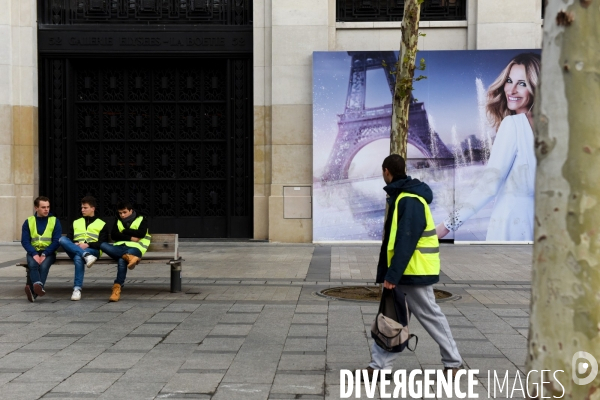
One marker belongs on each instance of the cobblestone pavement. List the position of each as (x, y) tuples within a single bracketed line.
[(248, 324)]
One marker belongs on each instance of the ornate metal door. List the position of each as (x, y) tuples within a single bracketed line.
[(171, 136)]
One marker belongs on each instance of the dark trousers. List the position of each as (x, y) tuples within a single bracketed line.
[(117, 253), (38, 273)]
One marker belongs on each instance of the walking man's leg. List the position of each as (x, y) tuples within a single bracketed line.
[(382, 359), (421, 303)]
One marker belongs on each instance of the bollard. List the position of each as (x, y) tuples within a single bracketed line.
[(176, 277)]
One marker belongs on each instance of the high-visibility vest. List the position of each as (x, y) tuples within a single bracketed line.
[(40, 242), (88, 234), (144, 242), (426, 258)]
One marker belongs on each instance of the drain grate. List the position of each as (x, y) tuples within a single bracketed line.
[(372, 293)]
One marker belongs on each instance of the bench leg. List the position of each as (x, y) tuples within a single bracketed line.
[(176, 277)]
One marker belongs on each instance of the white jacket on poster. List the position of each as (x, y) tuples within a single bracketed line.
[(510, 177)]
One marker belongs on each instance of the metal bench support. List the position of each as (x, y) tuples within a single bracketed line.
[(176, 275)]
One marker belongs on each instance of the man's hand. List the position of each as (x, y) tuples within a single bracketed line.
[(388, 285), (441, 230), (83, 245), (134, 239), (38, 259)]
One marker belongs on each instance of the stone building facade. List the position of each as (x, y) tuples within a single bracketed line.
[(285, 33)]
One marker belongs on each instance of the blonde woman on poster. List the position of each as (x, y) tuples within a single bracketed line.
[(509, 175)]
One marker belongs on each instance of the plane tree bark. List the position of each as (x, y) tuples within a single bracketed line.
[(405, 72), (565, 302)]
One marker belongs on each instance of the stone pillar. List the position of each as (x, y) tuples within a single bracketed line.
[(262, 116), (286, 34), (18, 115)]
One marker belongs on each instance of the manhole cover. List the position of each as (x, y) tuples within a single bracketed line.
[(371, 293)]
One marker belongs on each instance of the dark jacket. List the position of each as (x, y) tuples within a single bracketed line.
[(102, 237), (41, 224), (411, 224), (127, 233)]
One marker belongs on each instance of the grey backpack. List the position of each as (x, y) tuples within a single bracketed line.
[(390, 327)]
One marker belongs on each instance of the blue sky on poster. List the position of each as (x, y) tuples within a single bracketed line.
[(449, 92)]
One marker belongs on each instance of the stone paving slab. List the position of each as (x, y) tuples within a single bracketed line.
[(248, 324)]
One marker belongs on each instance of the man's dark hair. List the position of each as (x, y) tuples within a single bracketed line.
[(122, 205), (396, 165), (36, 202), (89, 200)]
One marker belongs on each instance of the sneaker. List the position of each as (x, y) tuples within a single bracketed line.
[(90, 260), (38, 289), (132, 260), (76, 296), (116, 293), (30, 294)]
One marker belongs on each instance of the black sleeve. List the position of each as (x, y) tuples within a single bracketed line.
[(102, 237), (140, 232), (69, 231), (382, 266), (118, 236), (411, 224)]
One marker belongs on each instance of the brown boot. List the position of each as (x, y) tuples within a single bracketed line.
[(116, 293), (370, 373), (132, 260), (454, 371)]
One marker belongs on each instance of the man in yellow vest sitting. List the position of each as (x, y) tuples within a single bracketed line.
[(83, 243), (130, 233), (39, 237), (409, 261)]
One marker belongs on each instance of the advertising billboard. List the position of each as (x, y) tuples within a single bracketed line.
[(470, 139)]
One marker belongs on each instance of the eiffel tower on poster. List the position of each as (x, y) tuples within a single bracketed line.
[(358, 126)]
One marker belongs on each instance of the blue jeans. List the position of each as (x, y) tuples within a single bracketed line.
[(76, 254), (38, 273), (116, 253)]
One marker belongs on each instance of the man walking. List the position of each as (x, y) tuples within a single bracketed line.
[(82, 245), (409, 261), (40, 238), (130, 232)]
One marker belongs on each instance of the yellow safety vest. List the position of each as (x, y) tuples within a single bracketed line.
[(426, 258), (89, 234), (40, 242), (144, 242)]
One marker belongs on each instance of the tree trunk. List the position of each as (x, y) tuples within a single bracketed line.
[(565, 303), (405, 71)]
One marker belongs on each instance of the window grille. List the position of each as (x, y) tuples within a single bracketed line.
[(211, 12), (393, 10)]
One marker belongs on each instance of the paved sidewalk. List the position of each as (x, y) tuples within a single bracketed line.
[(248, 324)]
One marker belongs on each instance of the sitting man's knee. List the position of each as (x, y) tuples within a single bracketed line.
[(62, 239)]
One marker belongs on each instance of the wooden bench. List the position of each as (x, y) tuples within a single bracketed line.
[(166, 243)]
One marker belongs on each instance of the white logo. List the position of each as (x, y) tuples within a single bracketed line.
[(580, 367)]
